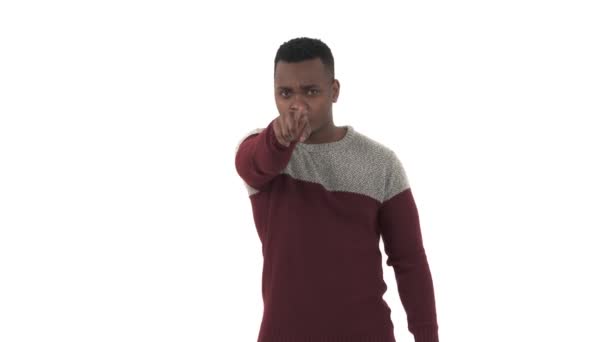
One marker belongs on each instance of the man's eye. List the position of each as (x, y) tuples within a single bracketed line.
[(283, 93), (313, 91)]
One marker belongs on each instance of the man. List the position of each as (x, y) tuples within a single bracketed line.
[(322, 196)]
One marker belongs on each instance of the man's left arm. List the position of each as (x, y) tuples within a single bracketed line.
[(401, 234)]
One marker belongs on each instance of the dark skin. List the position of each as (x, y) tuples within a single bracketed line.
[(304, 93)]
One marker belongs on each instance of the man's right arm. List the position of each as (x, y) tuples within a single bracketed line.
[(260, 157)]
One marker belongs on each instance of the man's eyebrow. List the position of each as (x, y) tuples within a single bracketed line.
[(304, 86)]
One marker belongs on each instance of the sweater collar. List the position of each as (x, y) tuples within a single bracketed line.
[(331, 146)]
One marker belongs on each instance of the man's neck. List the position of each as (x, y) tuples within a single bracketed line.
[(326, 134)]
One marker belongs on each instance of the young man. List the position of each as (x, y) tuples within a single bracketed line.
[(322, 196)]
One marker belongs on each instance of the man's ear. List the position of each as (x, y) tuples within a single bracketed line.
[(335, 90)]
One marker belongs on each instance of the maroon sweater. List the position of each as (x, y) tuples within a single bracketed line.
[(320, 210)]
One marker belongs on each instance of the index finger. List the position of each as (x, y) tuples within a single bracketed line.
[(302, 120)]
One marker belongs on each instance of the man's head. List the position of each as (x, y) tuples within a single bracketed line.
[(304, 79)]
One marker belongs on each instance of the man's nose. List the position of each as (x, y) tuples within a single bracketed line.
[(299, 105)]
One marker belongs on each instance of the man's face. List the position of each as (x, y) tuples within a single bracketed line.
[(305, 85)]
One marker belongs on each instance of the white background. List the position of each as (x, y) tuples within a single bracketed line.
[(122, 217)]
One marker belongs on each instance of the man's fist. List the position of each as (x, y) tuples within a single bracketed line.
[(291, 127)]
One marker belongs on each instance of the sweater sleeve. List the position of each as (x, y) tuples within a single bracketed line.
[(402, 238), (260, 157)]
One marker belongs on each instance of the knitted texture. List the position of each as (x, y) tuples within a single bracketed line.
[(320, 211)]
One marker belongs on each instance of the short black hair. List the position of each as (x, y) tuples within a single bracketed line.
[(304, 48)]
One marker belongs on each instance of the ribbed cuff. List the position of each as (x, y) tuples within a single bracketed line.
[(426, 334)]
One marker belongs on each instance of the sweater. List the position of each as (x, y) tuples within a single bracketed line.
[(320, 211)]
